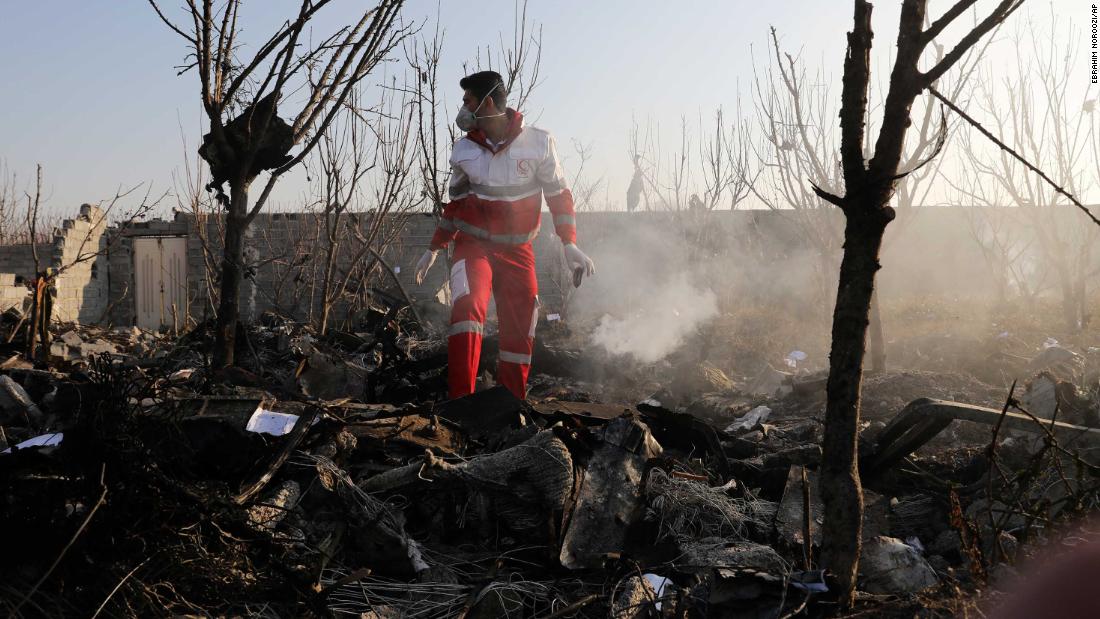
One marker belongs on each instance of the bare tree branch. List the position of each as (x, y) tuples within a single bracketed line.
[(994, 19)]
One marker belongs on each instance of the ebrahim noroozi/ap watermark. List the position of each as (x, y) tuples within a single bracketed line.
[(1092, 45)]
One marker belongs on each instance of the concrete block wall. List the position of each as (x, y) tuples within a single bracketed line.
[(746, 256), (17, 261), (79, 253), (289, 250), (82, 292), (12, 294)]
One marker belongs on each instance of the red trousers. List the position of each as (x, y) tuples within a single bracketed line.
[(508, 272)]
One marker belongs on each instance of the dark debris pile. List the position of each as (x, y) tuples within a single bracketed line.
[(324, 477)]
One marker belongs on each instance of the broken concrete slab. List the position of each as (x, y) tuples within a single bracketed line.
[(97, 347), (610, 497), (71, 338), (60, 351), (890, 566)]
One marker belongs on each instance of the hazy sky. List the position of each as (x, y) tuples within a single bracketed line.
[(90, 89)]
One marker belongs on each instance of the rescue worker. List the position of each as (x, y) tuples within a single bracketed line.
[(499, 173)]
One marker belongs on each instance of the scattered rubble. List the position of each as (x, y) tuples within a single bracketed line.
[(325, 476), (891, 566)]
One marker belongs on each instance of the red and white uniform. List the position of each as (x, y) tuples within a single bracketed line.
[(496, 193)]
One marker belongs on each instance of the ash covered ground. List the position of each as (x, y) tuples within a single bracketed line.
[(327, 476)]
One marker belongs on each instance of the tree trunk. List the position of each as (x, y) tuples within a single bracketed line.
[(1069, 300), (1086, 266), (326, 285), (1082, 300), (878, 343), (225, 338), (840, 486)]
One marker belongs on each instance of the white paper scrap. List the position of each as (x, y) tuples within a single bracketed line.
[(553, 317), (271, 422), (396, 269), (46, 440)]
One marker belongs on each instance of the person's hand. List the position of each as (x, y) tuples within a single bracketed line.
[(576, 259), (426, 261)]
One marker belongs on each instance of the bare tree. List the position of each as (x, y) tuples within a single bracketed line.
[(381, 177), (931, 133), (342, 149), (192, 199), (869, 186), (797, 145), (518, 62), (665, 175), (432, 125), (9, 205), (721, 158), (239, 149), (584, 189), (1051, 130)]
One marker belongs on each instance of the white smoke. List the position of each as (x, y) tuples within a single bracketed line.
[(673, 310)]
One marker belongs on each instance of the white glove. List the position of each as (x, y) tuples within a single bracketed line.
[(575, 258), (426, 261)]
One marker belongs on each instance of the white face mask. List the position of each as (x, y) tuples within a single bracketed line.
[(467, 120)]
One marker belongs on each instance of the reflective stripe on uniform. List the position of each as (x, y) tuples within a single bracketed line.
[(466, 326), (515, 357), (504, 191), (562, 220), (485, 235), (447, 224)]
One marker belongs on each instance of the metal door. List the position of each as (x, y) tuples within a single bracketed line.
[(160, 282)]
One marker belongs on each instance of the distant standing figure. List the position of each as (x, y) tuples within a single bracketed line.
[(634, 191)]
